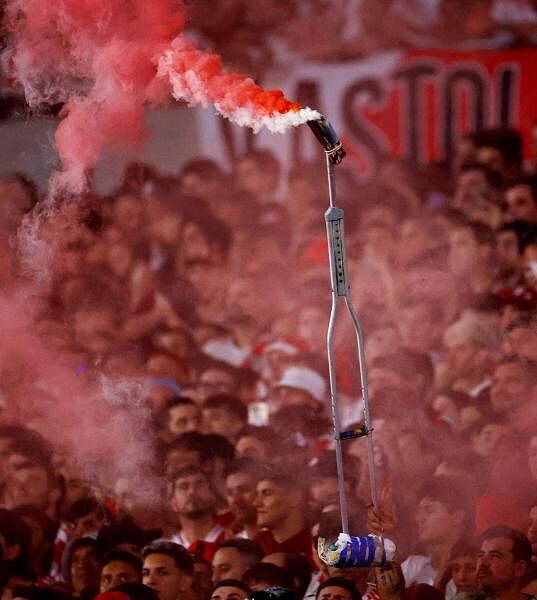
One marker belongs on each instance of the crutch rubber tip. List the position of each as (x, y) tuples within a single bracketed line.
[(351, 551)]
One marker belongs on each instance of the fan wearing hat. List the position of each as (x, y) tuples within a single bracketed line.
[(301, 386)]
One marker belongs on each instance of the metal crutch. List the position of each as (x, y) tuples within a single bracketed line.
[(334, 218)]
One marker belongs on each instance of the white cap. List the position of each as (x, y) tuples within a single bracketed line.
[(303, 378)]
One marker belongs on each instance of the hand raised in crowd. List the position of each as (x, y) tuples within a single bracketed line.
[(381, 520)]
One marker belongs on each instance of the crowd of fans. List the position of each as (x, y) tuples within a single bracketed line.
[(268, 33), (215, 290)]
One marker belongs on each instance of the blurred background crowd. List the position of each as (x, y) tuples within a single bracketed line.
[(212, 288)]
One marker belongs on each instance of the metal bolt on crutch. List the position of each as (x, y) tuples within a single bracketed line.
[(346, 550)]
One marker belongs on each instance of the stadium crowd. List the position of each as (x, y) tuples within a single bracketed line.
[(215, 291)]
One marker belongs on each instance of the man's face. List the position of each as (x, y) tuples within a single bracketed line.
[(195, 246), (463, 571), (520, 205), (334, 592), (463, 251), (192, 495), (183, 418), (26, 483), (489, 438), (87, 524), (222, 422), (272, 504), (510, 387), (215, 381), (117, 572), (229, 592), (532, 529), (241, 496), (248, 446), (85, 569), (507, 254), (229, 563), (161, 574), (434, 522), (496, 568)]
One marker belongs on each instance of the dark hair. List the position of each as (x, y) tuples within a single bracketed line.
[(124, 531), (275, 593), (84, 506), (464, 547), (191, 441), (270, 574), (521, 544), (299, 567), (339, 582), (180, 555), (234, 583), (242, 465), (123, 556), (448, 491), (249, 549), (230, 403), (217, 446), (136, 590)]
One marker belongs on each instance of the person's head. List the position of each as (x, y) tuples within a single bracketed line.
[(520, 201), (301, 386), (511, 387), (125, 534), (231, 589), (464, 339), (186, 450), (462, 563), (296, 564), (488, 438), (134, 590), (192, 495), (257, 173), (183, 415), (30, 478), (442, 510), (507, 249), (267, 575), (337, 588), (280, 498), (86, 516), (167, 569), (503, 559), (119, 566), (225, 415), (241, 481), (80, 565), (470, 248), (234, 557), (255, 443), (215, 380)]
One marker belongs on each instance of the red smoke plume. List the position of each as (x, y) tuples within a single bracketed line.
[(105, 59)]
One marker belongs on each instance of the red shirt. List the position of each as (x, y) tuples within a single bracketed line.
[(300, 543)]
